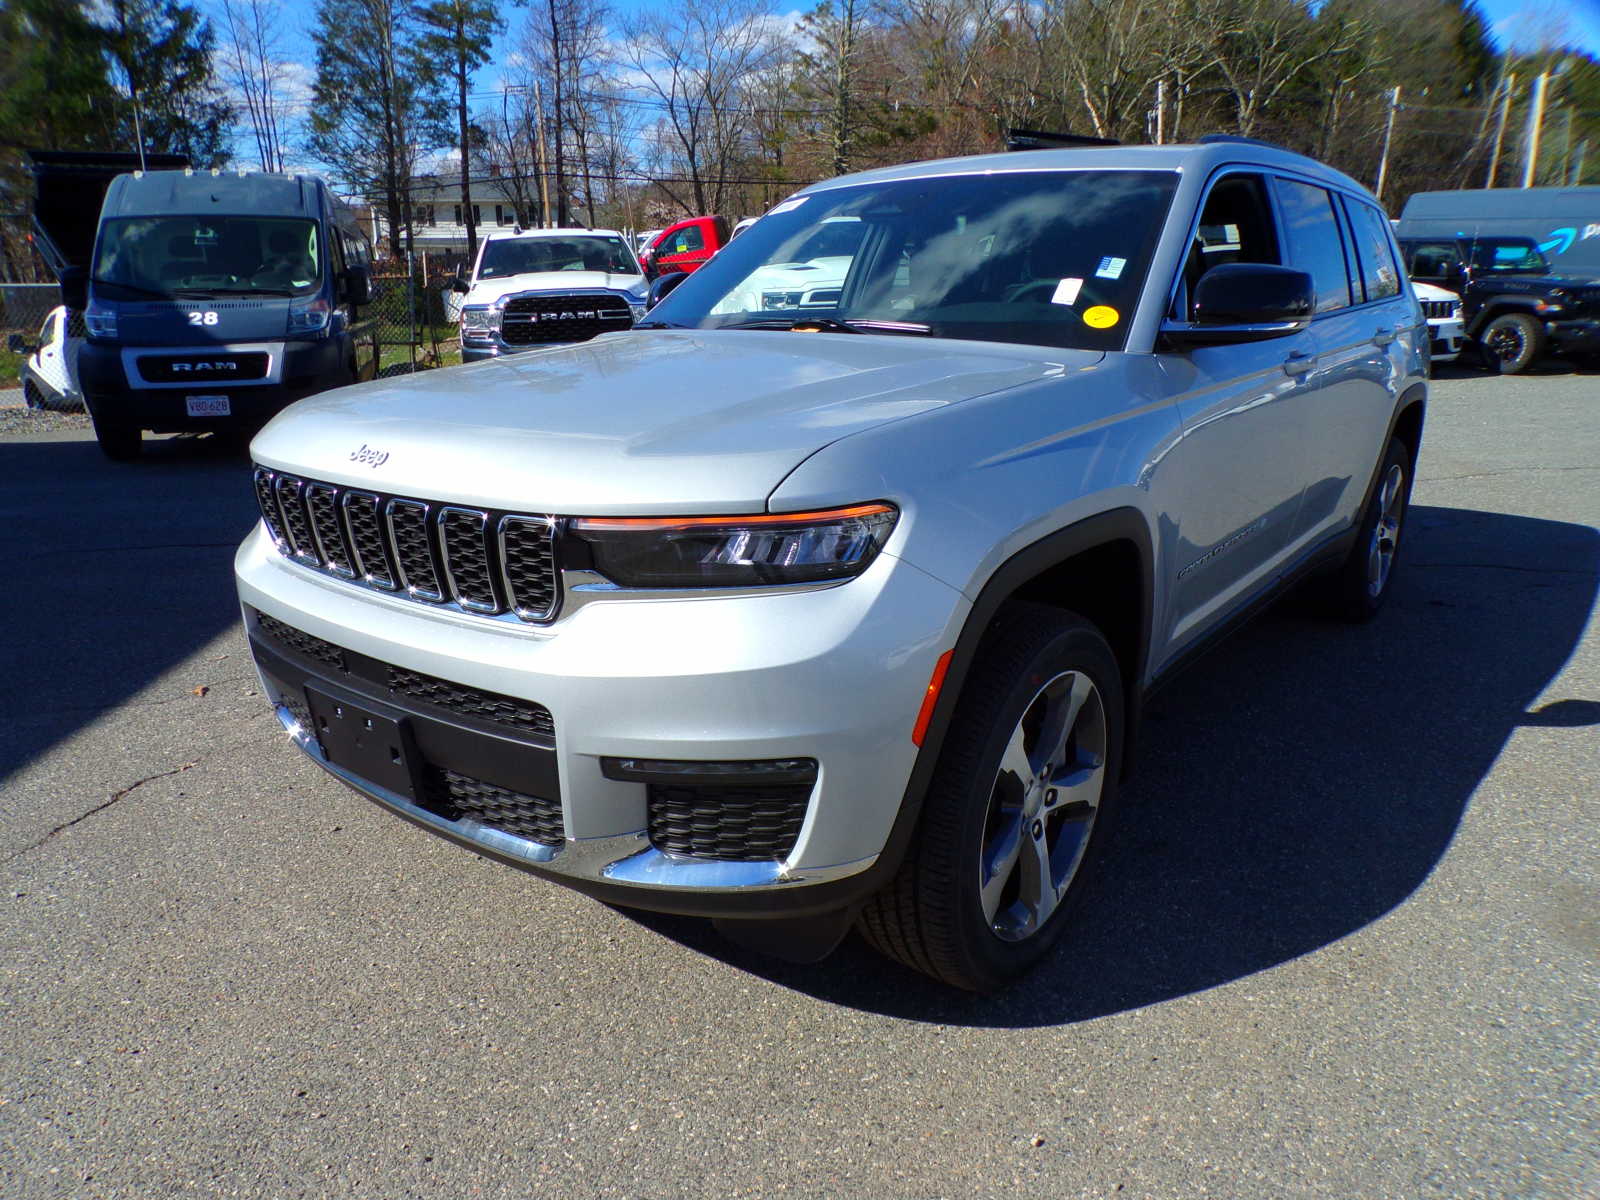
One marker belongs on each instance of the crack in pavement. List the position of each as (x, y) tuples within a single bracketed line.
[(98, 808), (1502, 471)]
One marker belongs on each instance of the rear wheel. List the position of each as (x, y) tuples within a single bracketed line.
[(31, 396), (1357, 590), (1019, 808), (1512, 342)]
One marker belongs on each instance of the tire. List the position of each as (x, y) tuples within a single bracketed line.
[(1357, 590), (119, 443), (959, 907), (31, 396), (1511, 343)]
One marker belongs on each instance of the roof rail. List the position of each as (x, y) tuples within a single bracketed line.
[(1211, 139), (1040, 139)]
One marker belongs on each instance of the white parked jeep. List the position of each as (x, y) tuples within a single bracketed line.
[(800, 616), (548, 287)]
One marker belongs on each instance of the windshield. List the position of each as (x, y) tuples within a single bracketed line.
[(1051, 258), (525, 256), (183, 255), (1508, 256)]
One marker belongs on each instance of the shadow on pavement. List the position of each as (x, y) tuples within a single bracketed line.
[(115, 573), (1295, 786)]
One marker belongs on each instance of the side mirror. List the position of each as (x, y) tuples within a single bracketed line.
[(358, 285), (1245, 302), (460, 283), (665, 286), (75, 288), (17, 344)]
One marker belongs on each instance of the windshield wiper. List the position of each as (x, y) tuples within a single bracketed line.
[(834, 325), (240, 291)]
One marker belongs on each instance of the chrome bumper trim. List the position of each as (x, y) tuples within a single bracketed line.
[(627, 859)]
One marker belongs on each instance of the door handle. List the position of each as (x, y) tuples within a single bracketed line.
[(1298, 363), (1382, 337)]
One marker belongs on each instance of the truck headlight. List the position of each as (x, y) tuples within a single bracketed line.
[(100, 322), (710, 552), (477, 319), (309, 318)]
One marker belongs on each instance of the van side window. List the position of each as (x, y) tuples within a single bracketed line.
[(1380, 274), (1235, 226), (1315, 242)]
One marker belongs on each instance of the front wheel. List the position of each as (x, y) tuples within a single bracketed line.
[(119, 443), (1512, 342), (31, 396), (1019, 808)]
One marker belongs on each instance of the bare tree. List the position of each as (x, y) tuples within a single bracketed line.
[(694, 61), (251, 54)]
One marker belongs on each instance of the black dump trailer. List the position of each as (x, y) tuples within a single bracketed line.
[(69, 186)]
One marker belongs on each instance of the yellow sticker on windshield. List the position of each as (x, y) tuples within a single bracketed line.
[(1101, 316)]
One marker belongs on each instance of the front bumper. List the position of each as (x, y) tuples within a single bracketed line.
[(834, 675), (1445, 338), (1581, 335), (304, 368)]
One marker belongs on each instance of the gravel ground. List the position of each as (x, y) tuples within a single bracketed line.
[(1346, 944)]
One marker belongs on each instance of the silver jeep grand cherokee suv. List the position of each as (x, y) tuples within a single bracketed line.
[(804, 612)]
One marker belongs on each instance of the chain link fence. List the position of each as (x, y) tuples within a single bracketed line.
[(417, 317)]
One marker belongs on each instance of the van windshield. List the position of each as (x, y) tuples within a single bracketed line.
[(182, 256), (504, 257), (1048, 258)]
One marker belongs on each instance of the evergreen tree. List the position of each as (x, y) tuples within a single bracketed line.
[(456, 39), (161, 51), (375, 112)]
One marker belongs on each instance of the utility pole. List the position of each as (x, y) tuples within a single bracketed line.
[(556, 73), (1388, 135), (1530, 151), (1161, 111), (1500, 127), (1575, 176), (542, 154)]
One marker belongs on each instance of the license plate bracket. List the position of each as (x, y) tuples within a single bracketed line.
[(369, 743)]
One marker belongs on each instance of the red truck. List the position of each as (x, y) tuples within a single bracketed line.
[(685, 246)]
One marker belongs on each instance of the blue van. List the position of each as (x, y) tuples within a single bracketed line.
[(212, 300)]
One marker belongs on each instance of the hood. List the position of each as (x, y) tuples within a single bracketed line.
[(1426, 291), (487, 291), (642, 423)]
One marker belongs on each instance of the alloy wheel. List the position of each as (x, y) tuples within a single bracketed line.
[(1386, 531), (1042, 809)]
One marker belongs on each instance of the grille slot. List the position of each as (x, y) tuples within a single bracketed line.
[(527, 548), (541, 320), (455, 796), (366, 539), (413, 549), (300, 641), (267, 500), (462, 533), (206, 368), (479, 562), (472, 702), (1437, 309), (727, 823), (322, 503), (295, 521)]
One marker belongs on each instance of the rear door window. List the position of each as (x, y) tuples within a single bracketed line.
[(1376, 266), (1433, 260), (1315, 245)]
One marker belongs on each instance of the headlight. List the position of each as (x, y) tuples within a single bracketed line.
[(100, 322), (309, 318), (477, 319), (709, 552), (637, 308)]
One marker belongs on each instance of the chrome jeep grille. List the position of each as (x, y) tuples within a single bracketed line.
[(1439, 309), (481, 562)]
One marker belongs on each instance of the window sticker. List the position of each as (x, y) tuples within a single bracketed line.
[(1067, 291), (788, 205), (1101, 316), (1110, 268)]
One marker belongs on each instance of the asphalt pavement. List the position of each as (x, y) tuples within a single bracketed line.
[(1347, 943)]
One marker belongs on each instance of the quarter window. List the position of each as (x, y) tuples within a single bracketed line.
[(1380, 274), (1315, 246)]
